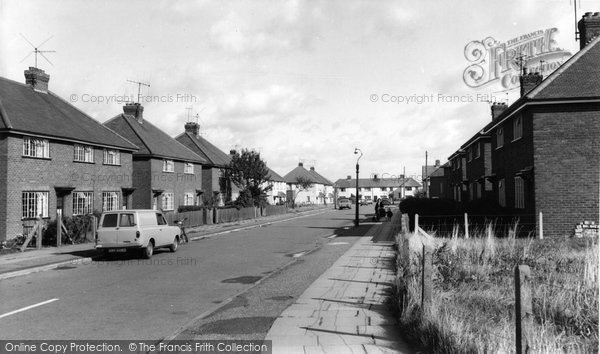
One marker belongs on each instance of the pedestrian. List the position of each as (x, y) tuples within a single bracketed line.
[(381, 212), (376, 209), (389, 214)]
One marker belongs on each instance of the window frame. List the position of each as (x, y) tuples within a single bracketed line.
[(185, 199), (499, 137), (87, 151), (77, 204), (519, 193), (114, 154), (31, 146), (166, 164), (517, 128), (165, 204), (108, 197), (26, 207), (188, 168)]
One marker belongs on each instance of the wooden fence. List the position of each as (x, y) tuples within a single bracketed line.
[(522, 284)]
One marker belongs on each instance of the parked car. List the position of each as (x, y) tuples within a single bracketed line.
[(142, 230), (344, 203), (364, 202), (384, 201)]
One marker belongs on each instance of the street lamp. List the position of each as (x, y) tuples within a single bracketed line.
[(356, 151)]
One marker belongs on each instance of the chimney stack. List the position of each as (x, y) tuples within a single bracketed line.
[(136, 110), (529, 81), (193, 128), (300, 164), (232, 152), (589, 28), (437, 163), (312, 168), (37, 79), (348, 177), (497, 109)]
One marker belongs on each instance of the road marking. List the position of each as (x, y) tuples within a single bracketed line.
[(28, 308), (300, 254), (337, 243), (332, 236)]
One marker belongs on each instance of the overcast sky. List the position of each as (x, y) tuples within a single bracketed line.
[(296, 80)]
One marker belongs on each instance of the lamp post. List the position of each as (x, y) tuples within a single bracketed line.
[(356, 151)]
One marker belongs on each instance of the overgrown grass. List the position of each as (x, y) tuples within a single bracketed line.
[(473, 293)]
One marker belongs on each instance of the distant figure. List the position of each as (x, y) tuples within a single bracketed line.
[(376, 210), (380, 212), (389, 214)]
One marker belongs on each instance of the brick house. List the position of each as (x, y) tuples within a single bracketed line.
[(53, 156), (166, 174), (437, 182), (316, 194), (213, 183), (375, 188), (540, 144), (549, 136)]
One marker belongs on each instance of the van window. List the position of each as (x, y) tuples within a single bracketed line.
[(160, 219), (146, 219), (127, 220), (110, 220)]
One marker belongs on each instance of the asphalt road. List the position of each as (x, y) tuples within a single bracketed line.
[(129, 298)]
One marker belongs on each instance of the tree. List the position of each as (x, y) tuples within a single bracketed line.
[(302, 184), (251, 175)]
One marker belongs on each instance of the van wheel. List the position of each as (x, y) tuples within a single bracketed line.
[(148, 251), (174, 245)]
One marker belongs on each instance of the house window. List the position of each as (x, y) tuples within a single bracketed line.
[(368, 189), (33, 147), (471, 191), (188, 199), (479, 193), (499, 138), (501, 193), (517, 128), (188, 168), (519, 193), (110, 201), (477, 151), (83, 153), (167, 201), (83, 203), (384, 189), (409, 188), (35, 204), (342, 189), (112, 157), (168, 166), (470, 153)]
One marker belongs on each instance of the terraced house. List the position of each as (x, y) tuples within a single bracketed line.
[(216, 189), (53, 156), (166, 174), (540, 144)]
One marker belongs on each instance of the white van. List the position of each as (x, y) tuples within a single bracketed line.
[(136, 229)]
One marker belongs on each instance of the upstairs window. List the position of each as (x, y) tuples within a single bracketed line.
[(517, 128), (188, 168), (83, 153), (112, 157), (499, 138), (168, 166), (34, 147), (477, 150)]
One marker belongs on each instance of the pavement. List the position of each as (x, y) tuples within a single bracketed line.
[(348, 308), (34, 260)]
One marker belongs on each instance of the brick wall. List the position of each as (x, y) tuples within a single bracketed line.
[(210, 179), (567, 168), (32, 174)]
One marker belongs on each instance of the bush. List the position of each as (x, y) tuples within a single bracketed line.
[(76, 226)]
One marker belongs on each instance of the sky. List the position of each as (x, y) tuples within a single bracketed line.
[(298, 81)]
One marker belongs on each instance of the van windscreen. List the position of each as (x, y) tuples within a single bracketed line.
[(110, 220)]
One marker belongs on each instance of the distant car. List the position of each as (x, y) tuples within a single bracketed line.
[(384, 202), (364, 202), (142, 230), (344, 203)]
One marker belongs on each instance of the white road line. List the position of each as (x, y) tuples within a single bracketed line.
[(28, 308)]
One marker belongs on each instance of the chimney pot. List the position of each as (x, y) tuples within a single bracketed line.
[(589, 28), (348, 177), (312, 168), (232, 152), (136, 110), (497, 109), (37, 79), (437, 163), (193, 128), (529, 82)]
